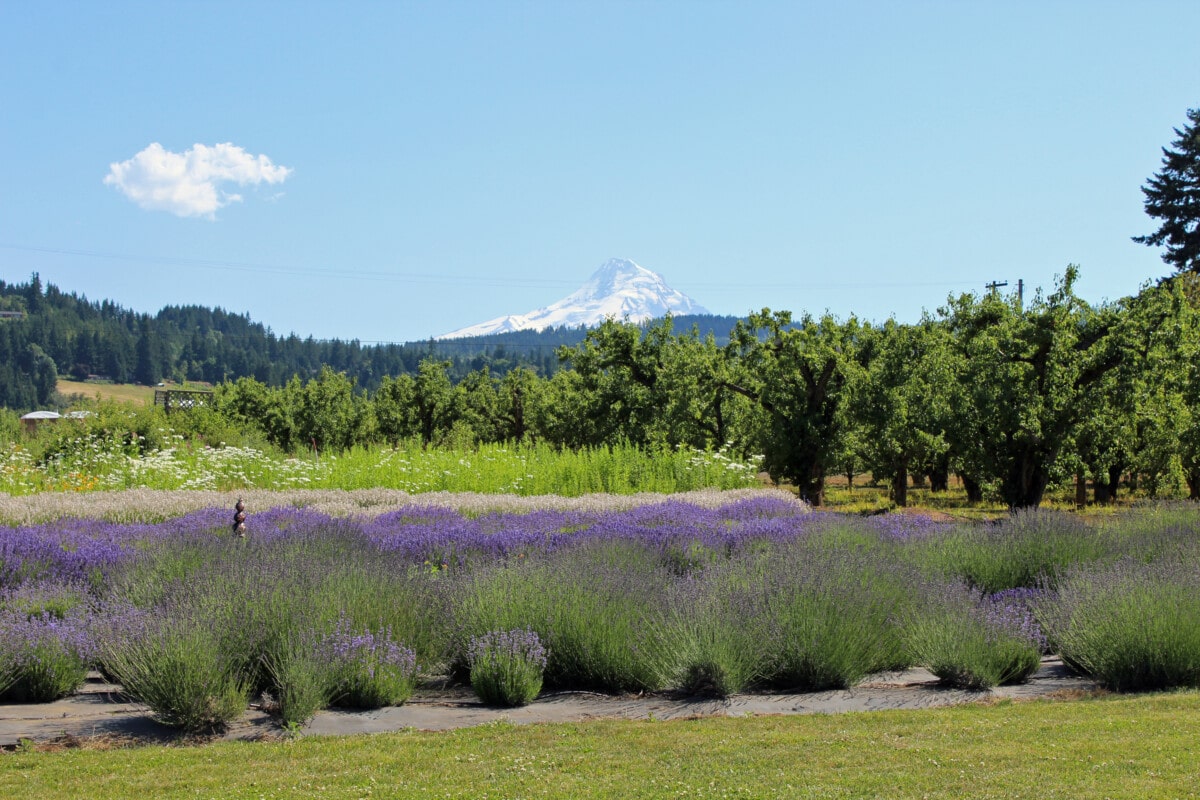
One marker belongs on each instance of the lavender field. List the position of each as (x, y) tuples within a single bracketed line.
[(354, 599)]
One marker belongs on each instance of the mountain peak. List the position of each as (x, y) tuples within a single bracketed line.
[(620, 266), (620, 288)]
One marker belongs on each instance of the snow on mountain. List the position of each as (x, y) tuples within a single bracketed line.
[(620, 288)]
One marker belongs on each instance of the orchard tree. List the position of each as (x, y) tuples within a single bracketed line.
[(801, 377), (434, 400), (331, 415), (1137, 414), (1105, 441), (1124, 417), (1023, 374), (903, 405), (475, 402), (620, 366), (517, 398), (562, 417), (271, 410), (700, 409), (1173, 196), (1168, 317), (396, 408)]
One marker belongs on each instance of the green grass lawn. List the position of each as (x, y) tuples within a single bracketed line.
[(1112, 747)]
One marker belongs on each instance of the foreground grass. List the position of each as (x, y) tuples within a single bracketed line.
[(1126, 747)]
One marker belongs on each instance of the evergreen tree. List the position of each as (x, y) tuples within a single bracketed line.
[(1173, 196), (147, 370)]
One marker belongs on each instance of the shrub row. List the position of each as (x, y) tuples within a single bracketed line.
[(318, 610)]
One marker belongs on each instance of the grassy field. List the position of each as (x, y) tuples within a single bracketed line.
[(122, 392), (872, 498), (1111, 747)]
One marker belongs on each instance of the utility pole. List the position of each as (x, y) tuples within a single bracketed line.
[(994, 285)]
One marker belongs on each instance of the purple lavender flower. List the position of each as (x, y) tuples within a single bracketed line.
[(368, 670), (1009, 614), (507, 666), (976, 641), (42, 656)]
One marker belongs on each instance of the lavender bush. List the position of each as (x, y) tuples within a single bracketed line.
[(175, 665), (829, 616), (366, 669), (712, 637), (43, 656), (1132, 626), (593, 605), (58, 599), (702, 596), (507, 667), (1030, 548), (974, 641), (300, 682)]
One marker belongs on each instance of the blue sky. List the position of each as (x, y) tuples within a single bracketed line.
[(398, 170)]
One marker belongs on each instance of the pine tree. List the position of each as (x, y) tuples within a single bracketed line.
[(147, 371), (1173, 196)]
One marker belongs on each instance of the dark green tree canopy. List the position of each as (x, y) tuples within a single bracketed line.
[(1173, 196)]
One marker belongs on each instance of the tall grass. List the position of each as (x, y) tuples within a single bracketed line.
[(99, 462)]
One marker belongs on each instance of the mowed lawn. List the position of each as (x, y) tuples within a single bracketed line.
[(1108, 747)]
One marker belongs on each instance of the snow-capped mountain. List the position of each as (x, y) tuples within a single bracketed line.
[(620, 288)]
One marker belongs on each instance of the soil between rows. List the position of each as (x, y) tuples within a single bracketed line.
[(100, 710)]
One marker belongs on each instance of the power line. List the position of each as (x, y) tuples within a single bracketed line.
[(291, 269), (444, 278)]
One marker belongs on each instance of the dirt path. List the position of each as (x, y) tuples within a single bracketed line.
[(99, 710)]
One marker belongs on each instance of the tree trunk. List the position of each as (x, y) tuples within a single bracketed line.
[(1192, 476), (1080, 489), (1105, 485), (850, 480), (939, 474), (974, 488), (1026, 481), (1108, 494), (900, 487), (719, 417), (812, 489)]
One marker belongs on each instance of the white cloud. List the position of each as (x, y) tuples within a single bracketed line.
[(188, 184)]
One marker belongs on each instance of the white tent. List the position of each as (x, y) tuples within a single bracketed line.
[(39, 415), (35, 418)]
